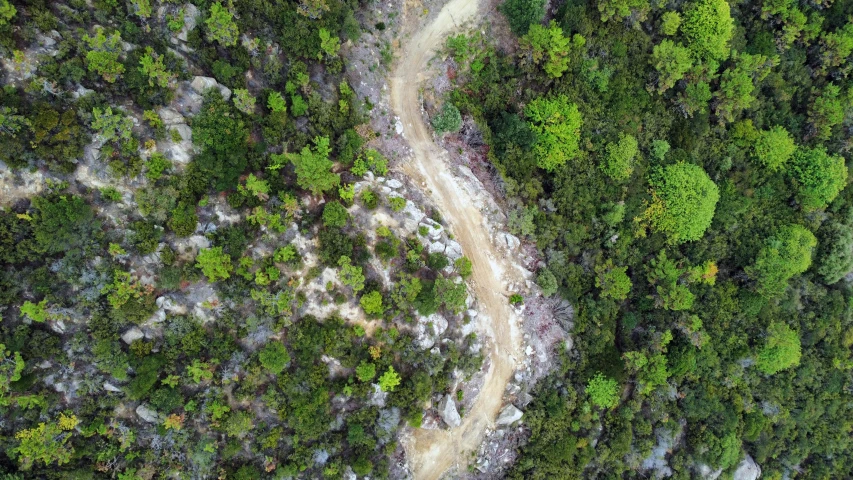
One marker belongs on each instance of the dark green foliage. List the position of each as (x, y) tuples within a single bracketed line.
[(448, 119), (223, 137), (521, 13)]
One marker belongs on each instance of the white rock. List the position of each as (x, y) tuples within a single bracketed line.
[(58, 326), (747, 469), (111, 388), (148, 414), (509, 415), (453, 250), (706, 473), (202, 84), (170, 116), (190, 21), (436, 247), (447, 411), (511, 241), (394, 183), (473, 313), (378, 397), (433, 229), (132, 335), (398, 127)]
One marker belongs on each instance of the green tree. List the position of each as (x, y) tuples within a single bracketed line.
[(111, 126), (708, 27), (669, 23), (365, 371), (774, 147), (372, 303), (835, 255), (547, 282), (244, 101), (389, 380), (351, 275), (836, 47), (781, 349), (613, 281), (620, 9), (549, 47), (47, 443), (520, 14), (335, 215), (276, 103), (557, 124), (274, 357), (313, 168), (11, 366), (448, 119), (827, 111), (620, 158), (221, 27), (214, 264), (651, 370), (464, 266), (103, 54), (329, 44), (672, 61), (737, 84), (787, 253), (7, 12), (36, 312), (818, 176), (603, 391), (683, 202), (151, 65)]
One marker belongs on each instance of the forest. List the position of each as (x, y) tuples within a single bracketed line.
[(210, 269), (682, 169)]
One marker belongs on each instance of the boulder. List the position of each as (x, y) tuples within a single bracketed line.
[(202, 84), (436, 247), (511, 241), (747, 469), (433, 229), (148, 414), (707, 473), (509, 415), (132, 335), (111, 388), (191, 15), (393, 183), (170, 116), (453, 250), (447, 411)]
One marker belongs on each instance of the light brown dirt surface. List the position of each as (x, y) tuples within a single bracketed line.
[(433, 453)]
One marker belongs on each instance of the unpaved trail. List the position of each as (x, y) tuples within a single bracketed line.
[(431, 453)]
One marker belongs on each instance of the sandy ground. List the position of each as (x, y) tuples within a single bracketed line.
[(432, 453)]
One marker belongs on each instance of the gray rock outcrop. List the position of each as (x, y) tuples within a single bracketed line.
[(132, 335), (509, 415), (447, 411), (747, 469), (148, 414)]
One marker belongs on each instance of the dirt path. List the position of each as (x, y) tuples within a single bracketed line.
[(431, 453)]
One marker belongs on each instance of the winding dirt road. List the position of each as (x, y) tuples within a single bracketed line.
[(432, 453)]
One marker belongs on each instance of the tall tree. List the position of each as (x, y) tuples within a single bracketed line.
[(557, 124), (787, 253), (708, 27), (683, 202), (313, 168), (818, 176)]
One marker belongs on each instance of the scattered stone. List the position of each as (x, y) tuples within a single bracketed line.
[(509, 415), (148, 414), (393, 183), (398, 127), (202, 84), (132, 335), (448, 412)]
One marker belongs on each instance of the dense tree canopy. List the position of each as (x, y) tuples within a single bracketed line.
[(683, 202)]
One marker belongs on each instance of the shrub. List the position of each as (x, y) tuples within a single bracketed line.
[(448, 119), (603, 392), (274, 357)]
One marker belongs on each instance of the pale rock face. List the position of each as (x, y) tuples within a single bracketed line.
[(170, 116), (393, 183), (747, 470), (434, 228), (509, 415), (447, 411), (132, 335)]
